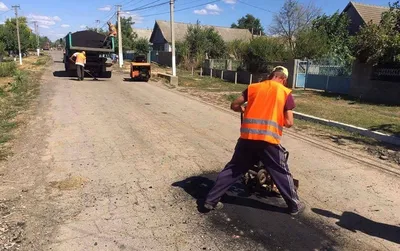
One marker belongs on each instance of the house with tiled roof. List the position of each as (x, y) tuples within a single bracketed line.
[(361, 14), (161, 35)]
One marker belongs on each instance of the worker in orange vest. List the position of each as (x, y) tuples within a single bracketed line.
[(112, 32), (269, 109), (80, 61)]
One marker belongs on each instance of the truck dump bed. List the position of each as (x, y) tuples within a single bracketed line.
[(88, 41)]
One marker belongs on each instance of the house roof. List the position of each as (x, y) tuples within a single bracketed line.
[(227, 34), (143, 33), (368, 12)]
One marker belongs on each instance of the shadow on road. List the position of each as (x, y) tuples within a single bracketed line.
[(261, 219), (353, 222), (198, 187), (62, 74)]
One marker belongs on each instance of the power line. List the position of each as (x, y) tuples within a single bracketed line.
[(5, 12), (144, 7), (257, 7), (138, 2), (187, 8), (109, 19)]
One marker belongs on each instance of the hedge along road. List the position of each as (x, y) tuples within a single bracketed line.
[(115, 165)]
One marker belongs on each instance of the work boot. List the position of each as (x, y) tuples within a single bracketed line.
[(218, 206), (300, 209)]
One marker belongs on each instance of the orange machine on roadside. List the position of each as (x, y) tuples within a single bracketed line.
[(140, 69)]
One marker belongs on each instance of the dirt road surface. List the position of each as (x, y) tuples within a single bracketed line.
[(115, 165)]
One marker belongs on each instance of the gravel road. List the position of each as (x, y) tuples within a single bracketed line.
[(116, 165)]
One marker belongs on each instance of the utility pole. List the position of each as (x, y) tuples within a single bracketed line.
[(97, 25), (37, 37), (16, 7), (120, 56), (173, 38)]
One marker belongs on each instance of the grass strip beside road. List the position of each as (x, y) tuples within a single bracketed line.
[(334, 107), (17, 90), (341, 108)]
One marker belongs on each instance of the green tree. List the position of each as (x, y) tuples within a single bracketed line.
[(199, 42), (311, 44), (293, 18), (263, 50), (334, 29), (204, 40), (237, 49), (251, 23), (142, 46), (8, 35), (128, 36), (380, 43)]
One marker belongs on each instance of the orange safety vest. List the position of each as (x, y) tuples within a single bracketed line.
[(264, 115), (80, 59)]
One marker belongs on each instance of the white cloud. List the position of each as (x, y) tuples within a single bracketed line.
[(230, 1), (3, 7), (105, 8), (44, 20), (213, 7), (44, 26), (135, 17), (65, 25), (200, 12), (83, 26)]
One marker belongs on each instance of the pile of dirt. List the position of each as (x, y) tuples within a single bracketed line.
[(88, 38)]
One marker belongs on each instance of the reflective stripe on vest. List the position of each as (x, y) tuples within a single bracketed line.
[(262, 122), (264, 115), (80, 59), (260, 132)]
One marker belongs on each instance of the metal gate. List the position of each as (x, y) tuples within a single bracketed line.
[(325, 77), (301, 73)]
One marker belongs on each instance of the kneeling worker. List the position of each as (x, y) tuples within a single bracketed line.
[(80, 62), (269, 109)]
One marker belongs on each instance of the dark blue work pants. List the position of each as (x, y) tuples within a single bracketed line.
[(274, 160)]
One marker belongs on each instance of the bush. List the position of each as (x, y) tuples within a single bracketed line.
[(20, 83), (263, 50), (7, 69), (237, 49)]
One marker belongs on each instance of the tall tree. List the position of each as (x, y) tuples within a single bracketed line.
[(377, 44), (251, 23), (8, 35), (292, 19), (128, 35), (334, 28)]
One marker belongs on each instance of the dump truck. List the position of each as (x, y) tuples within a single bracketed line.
[(98, 49)]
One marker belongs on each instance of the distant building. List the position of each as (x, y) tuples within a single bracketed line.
[(361, 14), (161, 35), (143, 33)]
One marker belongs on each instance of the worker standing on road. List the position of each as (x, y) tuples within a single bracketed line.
[(80, 61), (269, 109)]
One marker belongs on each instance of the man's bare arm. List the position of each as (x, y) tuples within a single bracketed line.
[(237, 104), (289, 121)]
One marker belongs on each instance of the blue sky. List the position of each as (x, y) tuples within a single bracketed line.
[(57, 18)]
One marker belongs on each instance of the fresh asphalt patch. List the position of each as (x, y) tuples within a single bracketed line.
[(259, 218)]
